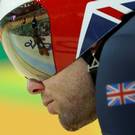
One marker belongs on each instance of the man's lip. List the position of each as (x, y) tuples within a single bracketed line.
[(49, 106), (47, 102), (51, 109)]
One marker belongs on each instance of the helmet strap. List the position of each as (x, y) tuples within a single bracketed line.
[(92, 62)]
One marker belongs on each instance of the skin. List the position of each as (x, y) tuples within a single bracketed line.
[(70, 94)]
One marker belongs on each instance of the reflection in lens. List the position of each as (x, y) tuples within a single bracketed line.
[(27, 39)]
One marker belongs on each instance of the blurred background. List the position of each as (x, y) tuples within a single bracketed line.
[(22, 113)]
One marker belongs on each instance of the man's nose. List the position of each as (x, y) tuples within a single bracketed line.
[(34, 86)]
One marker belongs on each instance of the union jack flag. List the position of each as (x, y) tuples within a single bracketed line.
[(120, 94), (100, 17)]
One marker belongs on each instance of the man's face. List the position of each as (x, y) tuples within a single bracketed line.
[(70, 94)]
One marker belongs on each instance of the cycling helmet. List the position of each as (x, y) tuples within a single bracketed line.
[(42, 37)]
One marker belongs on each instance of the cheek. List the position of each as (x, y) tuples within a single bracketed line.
[(73, 101), (62, 97), (69, 95), (58, 91)]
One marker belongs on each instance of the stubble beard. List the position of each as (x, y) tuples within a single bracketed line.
[(74, 119)]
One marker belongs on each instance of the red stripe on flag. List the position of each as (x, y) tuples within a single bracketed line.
[(121, 93), (112, 12), (125, 93)]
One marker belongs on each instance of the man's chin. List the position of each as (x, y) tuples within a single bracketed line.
[(72, 124), (69, 127)]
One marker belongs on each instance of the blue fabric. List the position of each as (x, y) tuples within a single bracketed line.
[(97, 28), (117, 65), (130, 5)]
